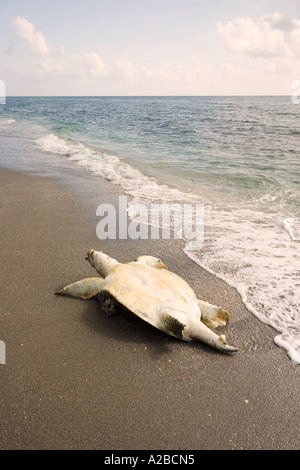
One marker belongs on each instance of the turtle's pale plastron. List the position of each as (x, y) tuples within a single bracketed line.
[(146, 288)]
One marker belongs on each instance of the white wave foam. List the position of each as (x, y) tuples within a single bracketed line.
[(292, 227), (250, 251), (142, 188), (7, 122), (290, 342)]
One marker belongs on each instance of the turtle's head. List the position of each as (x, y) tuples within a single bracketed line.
[(151, 261), (103, 263)]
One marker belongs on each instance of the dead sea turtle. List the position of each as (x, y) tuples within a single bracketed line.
[(146, 288)]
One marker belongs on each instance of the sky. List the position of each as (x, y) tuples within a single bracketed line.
[(149, 47)]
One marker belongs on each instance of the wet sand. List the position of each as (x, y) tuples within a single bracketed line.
[(74, 379)]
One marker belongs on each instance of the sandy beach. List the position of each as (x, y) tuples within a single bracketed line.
[(74, 379)]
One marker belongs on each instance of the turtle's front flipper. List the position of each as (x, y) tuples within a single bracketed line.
[(212, 315), (85, 289), (171, 324), (151, 261)]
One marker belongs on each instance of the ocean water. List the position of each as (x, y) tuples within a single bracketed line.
[(238, 156)]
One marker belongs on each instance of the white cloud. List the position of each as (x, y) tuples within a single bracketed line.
[(55, 61), (92, 66), (125, 69), (273, 38), (84, 65), (35, 39), (269, 36), (193, 71)]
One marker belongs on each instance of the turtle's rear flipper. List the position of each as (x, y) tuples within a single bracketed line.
[(85, 289), (212, 315)]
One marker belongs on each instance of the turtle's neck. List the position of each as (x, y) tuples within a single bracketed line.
[(104, 264)]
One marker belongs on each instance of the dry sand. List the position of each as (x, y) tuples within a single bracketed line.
[(75, 379)]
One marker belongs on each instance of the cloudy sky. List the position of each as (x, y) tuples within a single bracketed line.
[(149, 47)]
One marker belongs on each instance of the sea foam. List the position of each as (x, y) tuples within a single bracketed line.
[(253, 253), (7, 122), (109, 166)]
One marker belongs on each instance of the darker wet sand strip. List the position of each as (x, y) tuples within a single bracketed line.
[(75, 379)]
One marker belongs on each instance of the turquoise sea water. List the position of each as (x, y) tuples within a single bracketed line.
[(239, 156)]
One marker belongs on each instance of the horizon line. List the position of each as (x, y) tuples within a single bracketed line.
[(143, 96)]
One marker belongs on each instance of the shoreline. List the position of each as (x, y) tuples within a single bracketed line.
[(74, 379)]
